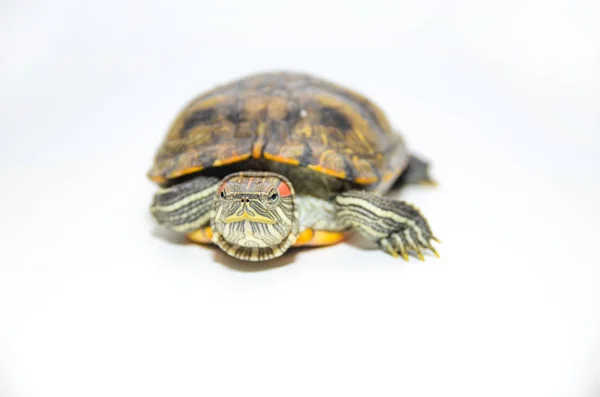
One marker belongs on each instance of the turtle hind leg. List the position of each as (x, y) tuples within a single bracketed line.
[(416, 173), (397, 227)]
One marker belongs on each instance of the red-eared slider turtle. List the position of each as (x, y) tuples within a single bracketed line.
[(276, 160)]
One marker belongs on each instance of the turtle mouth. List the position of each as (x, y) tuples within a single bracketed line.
[(249, 217)]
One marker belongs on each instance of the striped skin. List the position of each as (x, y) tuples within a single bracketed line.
[(254, 216), (185, 207), (396, 226)]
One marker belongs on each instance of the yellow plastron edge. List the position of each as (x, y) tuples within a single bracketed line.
[(308, 238)]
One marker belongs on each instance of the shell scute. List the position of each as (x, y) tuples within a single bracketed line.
[(290, 118)]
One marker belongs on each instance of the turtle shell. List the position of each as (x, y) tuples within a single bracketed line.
[(290, 118)]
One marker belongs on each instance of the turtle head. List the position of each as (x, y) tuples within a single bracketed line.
[(254, 216)]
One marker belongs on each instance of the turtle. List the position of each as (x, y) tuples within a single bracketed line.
[(279, 159)]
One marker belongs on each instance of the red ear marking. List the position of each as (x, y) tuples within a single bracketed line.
[(221, 188), (284, 189)]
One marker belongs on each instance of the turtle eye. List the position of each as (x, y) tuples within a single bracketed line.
[(222, 194), (273, 196)]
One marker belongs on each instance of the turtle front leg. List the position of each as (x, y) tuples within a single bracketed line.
[(396, 226), (185, 207)]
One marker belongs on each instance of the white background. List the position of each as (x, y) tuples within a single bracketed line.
[(502, 97)]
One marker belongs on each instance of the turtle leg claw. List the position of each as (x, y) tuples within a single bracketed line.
[(402, 243), (397, 227)]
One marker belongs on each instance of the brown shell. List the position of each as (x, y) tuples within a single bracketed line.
[(291, 118)]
